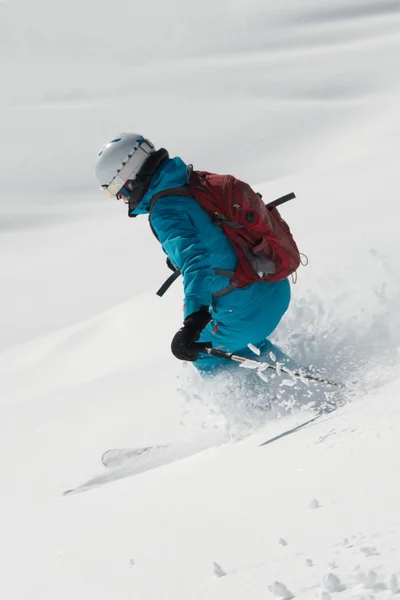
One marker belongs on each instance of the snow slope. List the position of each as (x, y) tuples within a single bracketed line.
[(292, 96)]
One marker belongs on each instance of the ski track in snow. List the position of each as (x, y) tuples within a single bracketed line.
[(253, 496)]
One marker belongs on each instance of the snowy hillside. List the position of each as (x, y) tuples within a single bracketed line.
[(299, 96)]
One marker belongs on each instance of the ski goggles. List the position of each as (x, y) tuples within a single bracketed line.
[(125, 192), (130, 168)]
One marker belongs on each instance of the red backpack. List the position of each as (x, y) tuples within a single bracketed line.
[(261, 238)]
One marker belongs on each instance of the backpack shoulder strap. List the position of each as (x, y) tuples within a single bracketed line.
[(178, 191), (167, 284), (182, 190)]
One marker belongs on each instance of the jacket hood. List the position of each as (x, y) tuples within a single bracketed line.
[(172, 173)]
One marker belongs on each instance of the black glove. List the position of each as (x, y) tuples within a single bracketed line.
[(184, 343)]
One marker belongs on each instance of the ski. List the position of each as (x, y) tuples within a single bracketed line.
[(125, 462), (118, 457)]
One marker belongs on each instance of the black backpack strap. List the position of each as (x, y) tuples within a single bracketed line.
[(183, 190), (281, 200), (167, 284), (223, 272), (179, 191)]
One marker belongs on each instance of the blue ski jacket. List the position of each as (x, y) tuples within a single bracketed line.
[(197, 246)]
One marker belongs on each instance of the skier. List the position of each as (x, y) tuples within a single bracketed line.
[(215, 313)]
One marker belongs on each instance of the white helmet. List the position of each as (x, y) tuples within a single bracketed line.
[(121, 160)]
